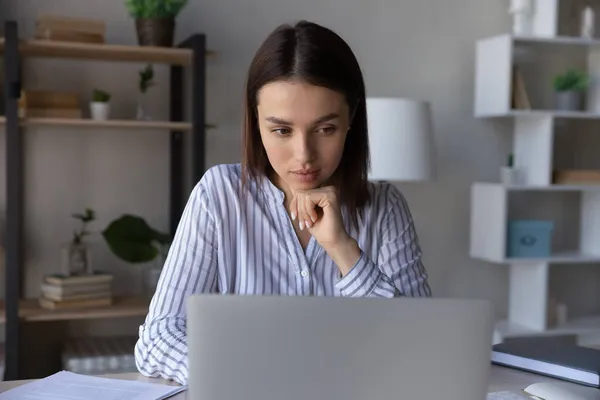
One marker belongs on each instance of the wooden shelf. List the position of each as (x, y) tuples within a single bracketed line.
[(30, 311), (566, 257), (106, 52), (111, 123), (541, 113), (541, 188)]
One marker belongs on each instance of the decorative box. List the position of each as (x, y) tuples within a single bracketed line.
[(529, 238)]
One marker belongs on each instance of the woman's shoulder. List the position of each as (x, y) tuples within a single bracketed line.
[(229, 174), (219, 182), (384, 197)]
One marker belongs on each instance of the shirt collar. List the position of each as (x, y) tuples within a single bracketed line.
[(272, 191)]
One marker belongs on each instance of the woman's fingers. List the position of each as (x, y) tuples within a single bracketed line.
[(302, 215), (311, 213), (294, 208)]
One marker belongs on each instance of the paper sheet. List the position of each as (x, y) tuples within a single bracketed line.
[(507, 395), (67, 385)]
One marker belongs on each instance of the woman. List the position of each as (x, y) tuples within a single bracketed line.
[(298, 216)]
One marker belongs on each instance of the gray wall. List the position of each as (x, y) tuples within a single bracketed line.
[(414, 48)]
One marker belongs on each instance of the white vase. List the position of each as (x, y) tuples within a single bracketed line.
[(588, 21), (510, 176), (76, 259), (522, 13), (99, 110)]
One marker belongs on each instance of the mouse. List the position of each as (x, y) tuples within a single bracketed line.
[(562, 391)]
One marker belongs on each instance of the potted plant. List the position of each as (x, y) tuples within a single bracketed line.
[(131, 239), (100, 106), (569, 87), (155, 20), (76, 258), (146, 81)]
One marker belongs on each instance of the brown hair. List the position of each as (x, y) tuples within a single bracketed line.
[(316, 55)]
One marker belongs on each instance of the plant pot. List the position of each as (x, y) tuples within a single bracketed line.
[(568, 100), (99, 110), (155, 31)]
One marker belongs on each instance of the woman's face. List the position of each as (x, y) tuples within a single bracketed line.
[(303, 129)]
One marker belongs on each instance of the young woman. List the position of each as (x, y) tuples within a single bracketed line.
[(298, 216)]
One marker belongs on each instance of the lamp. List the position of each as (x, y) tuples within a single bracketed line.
[(400, 139)]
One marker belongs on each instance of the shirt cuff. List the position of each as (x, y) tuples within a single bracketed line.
[(361, 280)]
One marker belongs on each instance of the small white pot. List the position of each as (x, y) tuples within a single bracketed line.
[(99, 110), (510, 176)]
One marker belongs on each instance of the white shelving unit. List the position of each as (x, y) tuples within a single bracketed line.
[(533, 148)]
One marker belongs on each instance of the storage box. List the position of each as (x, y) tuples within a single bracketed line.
[(529, 238)]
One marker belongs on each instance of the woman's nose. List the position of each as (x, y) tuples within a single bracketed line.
[(303, 148)]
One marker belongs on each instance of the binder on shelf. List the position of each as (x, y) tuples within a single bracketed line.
[(562, 361)]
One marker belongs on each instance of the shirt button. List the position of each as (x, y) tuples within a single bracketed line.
[(304, 273)]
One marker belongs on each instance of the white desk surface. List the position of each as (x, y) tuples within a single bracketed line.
[(501, 379)]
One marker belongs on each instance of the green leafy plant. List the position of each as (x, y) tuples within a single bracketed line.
[(146, 78), (510, 160), (132, 240), (571, 80), (100, 96), (85, 218), (154, 8)]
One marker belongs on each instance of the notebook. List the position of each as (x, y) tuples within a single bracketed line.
[(67, 385), (563, 361)]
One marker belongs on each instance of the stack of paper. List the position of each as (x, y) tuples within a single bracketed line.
[(67, 385)]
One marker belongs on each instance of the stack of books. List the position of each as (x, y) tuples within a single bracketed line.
[(49, 104), (99, 355), (70, 29), (67, 292)]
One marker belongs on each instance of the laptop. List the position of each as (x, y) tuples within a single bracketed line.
[(327, 348)]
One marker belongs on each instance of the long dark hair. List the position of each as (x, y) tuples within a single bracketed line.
[(316, 55)]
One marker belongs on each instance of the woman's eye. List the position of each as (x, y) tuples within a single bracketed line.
[(282, 131), (327, 130)]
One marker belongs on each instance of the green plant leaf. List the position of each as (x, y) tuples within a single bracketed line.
[(154, 8), (100, 96), (571, 80), (131, 239)]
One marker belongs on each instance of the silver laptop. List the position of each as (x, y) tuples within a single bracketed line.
[(324, 348)]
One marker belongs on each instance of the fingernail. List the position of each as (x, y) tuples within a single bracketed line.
[(308, 224), (301, 225), (313, 219), (293, 216)]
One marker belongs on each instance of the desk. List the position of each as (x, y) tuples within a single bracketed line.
[(501, 379)]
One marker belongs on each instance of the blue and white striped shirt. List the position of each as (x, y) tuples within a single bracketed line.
[(219, 247)]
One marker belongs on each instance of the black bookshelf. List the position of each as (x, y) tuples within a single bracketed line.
[(15, 240)]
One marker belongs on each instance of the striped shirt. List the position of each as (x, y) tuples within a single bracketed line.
[(229, 244)]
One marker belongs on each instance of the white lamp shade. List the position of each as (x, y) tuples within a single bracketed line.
[(400, 140)]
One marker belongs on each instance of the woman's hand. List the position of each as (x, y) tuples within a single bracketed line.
[(318, 210)]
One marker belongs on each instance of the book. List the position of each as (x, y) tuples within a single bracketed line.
[(71, 304), (559, 360), (63, 35), (49, 289), (79, 296), (64, 280), (71, 24), (71, 113), (49, 99)]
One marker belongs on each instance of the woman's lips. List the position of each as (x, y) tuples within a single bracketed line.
[(306, 176)]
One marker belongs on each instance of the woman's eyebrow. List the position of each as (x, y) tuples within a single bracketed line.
[(320, 120), (279, 121), (326, 118)]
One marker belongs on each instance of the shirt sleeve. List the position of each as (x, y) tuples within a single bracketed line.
[(190, 267), (398, 269)]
